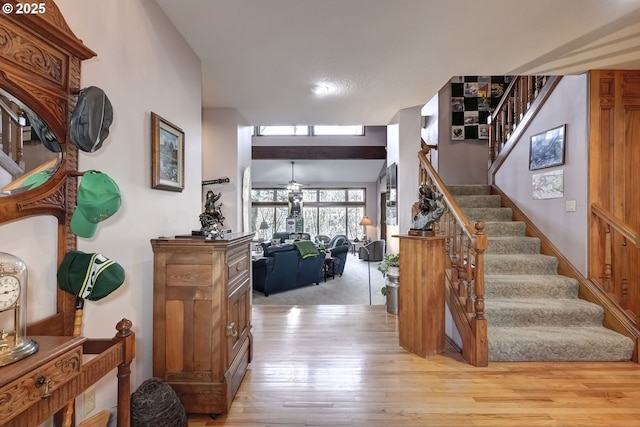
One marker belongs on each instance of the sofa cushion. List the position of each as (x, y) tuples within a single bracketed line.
[(278, 248)]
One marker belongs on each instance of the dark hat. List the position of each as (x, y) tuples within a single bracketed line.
[(89, 276), (98, 199), (43, 133), (91, 119)]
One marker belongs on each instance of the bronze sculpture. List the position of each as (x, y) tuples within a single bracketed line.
[(429, 209), (212, 219)]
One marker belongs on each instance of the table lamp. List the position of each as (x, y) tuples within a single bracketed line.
[(364, 222), (264, 226)]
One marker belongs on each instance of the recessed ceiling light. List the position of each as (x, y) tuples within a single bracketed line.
[(320, 89)]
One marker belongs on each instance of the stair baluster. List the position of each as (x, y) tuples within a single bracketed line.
[(465, 289)]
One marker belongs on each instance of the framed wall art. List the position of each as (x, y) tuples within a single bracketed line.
[(473, 99), (547, 185), (547, 148), (167, 155)]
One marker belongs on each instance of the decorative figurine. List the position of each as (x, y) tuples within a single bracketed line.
[(429, 209), (212, 219)]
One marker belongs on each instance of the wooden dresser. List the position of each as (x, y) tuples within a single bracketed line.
[(202, 340)]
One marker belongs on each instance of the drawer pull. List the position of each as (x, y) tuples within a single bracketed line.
[(231, 330), (42, 381)]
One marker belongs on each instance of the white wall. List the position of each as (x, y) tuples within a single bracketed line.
[(459, 162), (567, 104), (226, 152), (403, 144), (393, 156), (143, 65), (430, 132)]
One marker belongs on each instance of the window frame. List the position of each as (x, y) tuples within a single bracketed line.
[(317, 205)]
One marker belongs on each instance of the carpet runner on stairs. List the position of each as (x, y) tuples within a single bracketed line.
[(533, 314)]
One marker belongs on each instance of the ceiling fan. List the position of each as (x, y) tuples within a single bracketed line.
[(293, 185)]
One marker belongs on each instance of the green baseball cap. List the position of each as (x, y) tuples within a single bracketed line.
[(89, 276), (98, 199)]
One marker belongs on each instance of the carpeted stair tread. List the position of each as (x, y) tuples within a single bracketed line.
[(529, 312), (467, 190), (488, 214), (477, 201), (563, 344), (504, 228), (533, 314), (520, 264), (530, 286), (513, 245)]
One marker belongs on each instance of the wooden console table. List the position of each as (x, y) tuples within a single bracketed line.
[(422, 294), (35, 388)]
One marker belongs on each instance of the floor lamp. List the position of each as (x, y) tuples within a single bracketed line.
[(364, 222)]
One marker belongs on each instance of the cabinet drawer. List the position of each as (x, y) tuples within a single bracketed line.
[(238, 265), (29, 389)]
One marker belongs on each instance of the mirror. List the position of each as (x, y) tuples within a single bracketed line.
[(30, 152)]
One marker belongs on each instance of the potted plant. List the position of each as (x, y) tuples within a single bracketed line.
[(390, 265), (390, 269)]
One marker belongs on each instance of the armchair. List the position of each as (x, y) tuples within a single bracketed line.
[(322, 239), (339, 254), (337, 240), (373, 251)]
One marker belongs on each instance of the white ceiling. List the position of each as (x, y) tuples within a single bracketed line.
[(262, 57)]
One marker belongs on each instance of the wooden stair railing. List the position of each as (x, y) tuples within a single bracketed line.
[(519, 104), (465, 246), (11, 139), (612, 251)]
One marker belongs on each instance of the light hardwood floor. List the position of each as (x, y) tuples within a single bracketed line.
[(342, 366)]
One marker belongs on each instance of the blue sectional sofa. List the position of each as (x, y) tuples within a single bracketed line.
[(282, 268)]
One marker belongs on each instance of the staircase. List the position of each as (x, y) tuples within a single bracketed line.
[(533, 314)]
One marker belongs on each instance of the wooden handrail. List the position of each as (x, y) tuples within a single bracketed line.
[(453, 205), (627, 232)]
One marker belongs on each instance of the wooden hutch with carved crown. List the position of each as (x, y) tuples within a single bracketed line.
[(40, 61)]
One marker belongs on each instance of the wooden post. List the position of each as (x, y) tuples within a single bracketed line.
[(422, 294)]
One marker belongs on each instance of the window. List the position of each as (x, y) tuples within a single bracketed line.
[(318, 130), (283, 130), (328, 211), (338, 130)]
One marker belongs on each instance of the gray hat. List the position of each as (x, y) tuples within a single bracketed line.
[(91, 119)]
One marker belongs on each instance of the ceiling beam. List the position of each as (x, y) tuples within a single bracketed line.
[(318, 152)]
